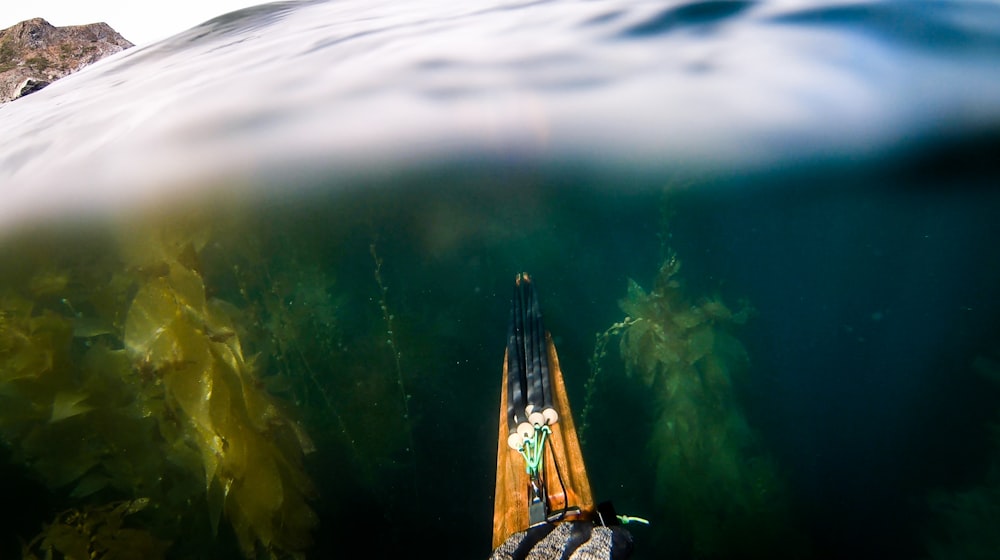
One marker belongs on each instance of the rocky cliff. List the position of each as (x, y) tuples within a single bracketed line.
[(34, 53)]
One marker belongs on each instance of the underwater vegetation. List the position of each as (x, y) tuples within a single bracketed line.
[(96, 532), (713, 481), (964, 522), (186, 346), (346, 384), (121, 377), (197, 364)]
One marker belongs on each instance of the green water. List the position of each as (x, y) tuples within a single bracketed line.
[(376, 319)]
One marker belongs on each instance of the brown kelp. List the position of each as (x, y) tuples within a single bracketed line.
[(96, 532), (713, 481), (187, 345), (122, 377)]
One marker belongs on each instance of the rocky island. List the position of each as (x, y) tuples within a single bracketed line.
[(34, 53)]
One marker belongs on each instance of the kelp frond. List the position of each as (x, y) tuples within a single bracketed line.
[(251, 454), (96, 532), (121, 376), (711, 476)]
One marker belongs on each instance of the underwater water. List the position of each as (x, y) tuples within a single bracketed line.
[(255, 279)]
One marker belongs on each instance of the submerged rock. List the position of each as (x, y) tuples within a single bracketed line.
[(35, 53)]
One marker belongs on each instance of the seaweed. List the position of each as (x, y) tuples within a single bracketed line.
[(122, 377), (326, 353), (185, 360), (96, 532), (713, 480), (391, 341), (187, 346)]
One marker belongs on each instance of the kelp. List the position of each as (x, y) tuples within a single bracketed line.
[(250, 450), (96, 532), (344, 382), (70, 405), (122, 376), (713, 480)]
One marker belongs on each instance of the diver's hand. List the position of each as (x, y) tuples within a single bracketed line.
[(581, 539)]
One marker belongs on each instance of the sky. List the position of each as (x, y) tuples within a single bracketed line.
[(139, 22)]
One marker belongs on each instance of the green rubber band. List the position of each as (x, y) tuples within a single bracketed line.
[(533, 450)]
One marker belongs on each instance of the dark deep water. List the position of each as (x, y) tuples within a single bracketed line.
[(865, 391), (353, 242)]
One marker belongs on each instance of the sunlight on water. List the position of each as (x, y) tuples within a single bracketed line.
[(346, 88)]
